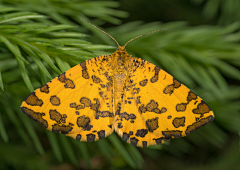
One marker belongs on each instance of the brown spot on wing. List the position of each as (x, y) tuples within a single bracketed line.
[(55, 100), (56, 116), (103, 114), (44, 88), (142, 109), (144, 144), (33, 100), (91, 137), (37, 116), (84, 70), (95, 106), (178, 121), (200, 123), (202, 108), (169, 89), (103, 85), (96, 79), (135, 90), (127, 116), (152, 106), (88, 127), (172, 134), (78, 137), (154, 79), (67, 82), (143, 82), (152, 124), (138, 100), (181, 107), (63, 120), (83, 121), (73, 105), (159, 140), (64, 129), (101, 134), (163, 110), (77, 107), (86, 101), (134, 141), (191, 96), (120, 125), (176, 83), (126, 136), (141, 132)]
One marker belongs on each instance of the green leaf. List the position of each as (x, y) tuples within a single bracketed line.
[(3, 130), (97, 47), (61, 64), (53, 28), (15, 121), (136, 155), (106, 149), (36, 60), (121, 149), (228, 69), (67, 34), (68, 149), (49, 61), (32, 133), (82, 147), (19, 17), (1, 81), (24, 43), (211, 8), (218, 78), (13, 49), (6, 9), (70, 41), (55, 145), (42, 41), (24, 74)]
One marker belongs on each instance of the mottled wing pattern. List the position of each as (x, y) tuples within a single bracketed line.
[(156, 107), (78, 103)]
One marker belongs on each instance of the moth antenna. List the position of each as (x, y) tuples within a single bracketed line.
[(143, 35), (101, 30)]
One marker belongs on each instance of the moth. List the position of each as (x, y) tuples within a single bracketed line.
[(141, 102)]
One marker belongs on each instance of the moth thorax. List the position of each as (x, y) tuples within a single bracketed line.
[(120, 75)]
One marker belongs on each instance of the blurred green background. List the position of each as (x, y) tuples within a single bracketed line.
[(39, 39)]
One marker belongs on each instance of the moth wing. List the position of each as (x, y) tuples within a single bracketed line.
[(78, 103), (156, 107)]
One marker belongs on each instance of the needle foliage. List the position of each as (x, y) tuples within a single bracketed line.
[(40, 39)]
